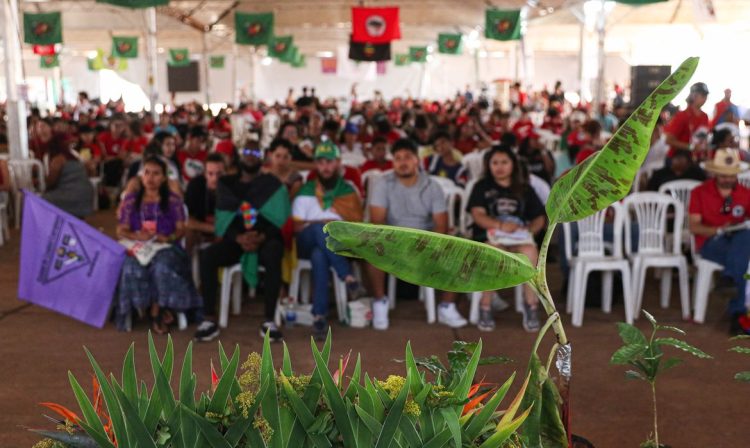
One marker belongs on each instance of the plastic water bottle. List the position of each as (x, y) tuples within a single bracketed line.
[(291, 315)]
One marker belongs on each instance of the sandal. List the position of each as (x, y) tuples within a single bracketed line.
[(158, 326), (167, 317)]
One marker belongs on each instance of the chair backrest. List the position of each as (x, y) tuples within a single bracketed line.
[(464, 219), (744, 178), (369, 179), (474, 163), (446, 184), (22, 173), (591, 234), (650, 210), (680, 190)]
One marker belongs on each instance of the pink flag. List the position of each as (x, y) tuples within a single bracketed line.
[(328, 65), (381, 67)]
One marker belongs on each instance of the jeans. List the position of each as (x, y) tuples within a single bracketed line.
[(311, 245), (733, 252)]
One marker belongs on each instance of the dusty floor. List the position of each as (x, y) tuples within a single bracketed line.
[(700, 404)]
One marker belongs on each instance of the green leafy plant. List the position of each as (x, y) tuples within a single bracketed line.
[(454, 264), (255, 405), (741, 376), (646, 356)]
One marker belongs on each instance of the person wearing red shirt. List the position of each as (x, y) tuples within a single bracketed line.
[(715, 205), (193, 157), (137, 141), (379, 153), (725, 111), (591, 140), (524, 126), (688, 123), (471, 136), (114, 142)]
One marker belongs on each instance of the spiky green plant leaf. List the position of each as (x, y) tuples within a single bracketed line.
[(743, 350), (682, 345), (93, 425), (742, 376)]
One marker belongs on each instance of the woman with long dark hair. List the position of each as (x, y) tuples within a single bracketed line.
[(67, 183), (507, 213), (154, 214)]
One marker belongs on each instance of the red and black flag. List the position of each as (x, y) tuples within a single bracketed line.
[(375, 25), (368, 52)]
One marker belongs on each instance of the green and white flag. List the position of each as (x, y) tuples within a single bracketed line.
[(43, 28), (502, 24), (290, 56), (253, 29), (402, 59), (449, 43), (50, 61), (418, 54), (279, 47), (125, 47), (135, 4), (216, 62), (300, 61), (179, 57)]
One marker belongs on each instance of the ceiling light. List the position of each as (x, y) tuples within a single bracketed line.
[(324, 54), (266, 61)]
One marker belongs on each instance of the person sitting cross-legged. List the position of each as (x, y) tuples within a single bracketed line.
[(407, 197), (326, 198)]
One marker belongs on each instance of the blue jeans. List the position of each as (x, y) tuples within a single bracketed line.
[(733, 252), (311, 245)]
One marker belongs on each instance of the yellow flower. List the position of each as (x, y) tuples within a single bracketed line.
[(262, 425), (246, 400), (48, 443), (250, 378), (412, 408), (393, 385)]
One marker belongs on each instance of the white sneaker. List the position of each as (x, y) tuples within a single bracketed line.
[(449, 315), (380, 314)]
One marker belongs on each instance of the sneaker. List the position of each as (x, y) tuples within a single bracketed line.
[(530, 318), (449, 315), (498, 303), (207, 331), (380, 314), (486, 322), (320, 328), (274, 334)]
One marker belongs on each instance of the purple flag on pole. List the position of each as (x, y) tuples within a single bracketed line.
[(66, 265)]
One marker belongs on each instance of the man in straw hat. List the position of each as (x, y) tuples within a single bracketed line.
[(717, 207)]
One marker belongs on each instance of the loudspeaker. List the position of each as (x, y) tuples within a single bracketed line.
[(644, 79), (183, 79)]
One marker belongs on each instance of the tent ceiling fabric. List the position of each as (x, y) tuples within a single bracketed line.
[(322, 25)]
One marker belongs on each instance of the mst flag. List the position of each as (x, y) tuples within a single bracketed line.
[(449, 43), (134, 4), (179, 57), (125, 47), (402, 59), (369, 52), (502, 24), (418, 54), (216, 62), (43, 28), (49, 61), (66, 265), (279, 47), (375, 25), (253, 29)]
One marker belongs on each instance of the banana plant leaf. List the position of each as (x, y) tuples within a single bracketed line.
[(606, 176), (430, 259)]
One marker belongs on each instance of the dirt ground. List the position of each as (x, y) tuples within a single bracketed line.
[(700, 405)]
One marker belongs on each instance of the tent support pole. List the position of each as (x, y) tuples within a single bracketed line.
[(206, 79), (151, 60), (18, 137)]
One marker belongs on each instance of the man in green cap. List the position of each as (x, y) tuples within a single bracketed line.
[(327, 197)]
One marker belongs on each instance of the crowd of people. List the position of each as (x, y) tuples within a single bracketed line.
[(255, 186)]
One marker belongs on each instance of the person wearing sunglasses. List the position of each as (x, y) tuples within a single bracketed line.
[(717, 207)]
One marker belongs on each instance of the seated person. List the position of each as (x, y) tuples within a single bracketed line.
[(444, 163), (539, 160), (681, 168), (349, 173), (153, 213), (192, 158), (714, 205), (114, 144), (200, 198), (379, 161), (591, 142), (280, 165), (407, 197), (503, 200), (327, 198), (88, 149), (248, 234), (67, 183)]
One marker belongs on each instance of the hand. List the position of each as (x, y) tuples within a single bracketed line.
[(250, 241), (162, 239), (143, 235), (508, 227)]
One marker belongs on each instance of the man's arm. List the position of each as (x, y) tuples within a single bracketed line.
[(698, 228), (378, 214), (440, 222), (674, 143)]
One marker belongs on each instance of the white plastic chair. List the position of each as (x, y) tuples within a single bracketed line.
[(22, 177), (95, 182), (651, 215), (680, 190), (464, 218), (303, 294), (369, 179), (427, 295), (231, 286), (744, 178), (591, 256), (4, 225), (476, 298), (474, 163), (453, 193)]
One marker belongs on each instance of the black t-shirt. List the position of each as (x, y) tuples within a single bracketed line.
[(200, 201), (664, 175), (500, 202)]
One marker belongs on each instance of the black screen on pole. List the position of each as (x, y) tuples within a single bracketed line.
[(183, 79)]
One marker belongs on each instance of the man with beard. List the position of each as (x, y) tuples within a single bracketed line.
[(326, 198), (200, 199), (407, 197), (715, 205), (251, 209)]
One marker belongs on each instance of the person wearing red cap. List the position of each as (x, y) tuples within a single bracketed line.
[(229, 153)]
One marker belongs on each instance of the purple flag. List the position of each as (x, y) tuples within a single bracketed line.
[(66, 265)]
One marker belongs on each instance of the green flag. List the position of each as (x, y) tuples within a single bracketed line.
[(402, 59), (92, 65), (449, 43), (279, 47), (418, 54), (253, 29), (300, 61), (43, 28), (291, 56), (179, 57), (216, 61), (134, 4), (50, 61), (502, 24), (125, 47), (113, 63)]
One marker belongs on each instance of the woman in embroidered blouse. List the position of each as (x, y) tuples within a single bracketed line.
[(156, 214)]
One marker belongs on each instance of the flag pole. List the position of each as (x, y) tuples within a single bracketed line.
[(18, 137), (151, 59), (253, 65), (601, 28)]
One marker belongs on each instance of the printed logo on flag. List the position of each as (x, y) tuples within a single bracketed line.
[(369, 50), (375, 25), (124, 47), (280, 46), (418, 55), (65, 253), (41, 28), (503, 25), (451, 43), (254, 29)]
